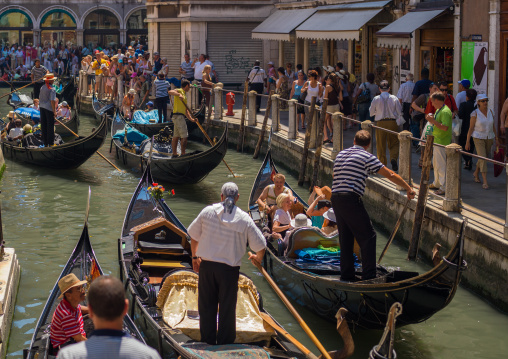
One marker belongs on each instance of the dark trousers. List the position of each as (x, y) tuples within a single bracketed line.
[(37, 89), (353, 222), (462, 143), (47, 127), (405, 113), (161, 104), (218, 287), (258, 87)]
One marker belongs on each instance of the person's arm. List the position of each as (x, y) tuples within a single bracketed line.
[(53, 106), (320, 90), (472, 124), (84, 309), (258, 257), (417, 108), (310, 211), (395, 178), (277, 227), (196, 262), (372, 109), (432, 120), (79, 337), (261, 200), (292, 90)]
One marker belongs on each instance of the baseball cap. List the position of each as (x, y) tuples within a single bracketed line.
[(156, 53), (384, 85), (149, 103), (465, 82)]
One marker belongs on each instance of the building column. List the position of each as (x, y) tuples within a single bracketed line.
[(281, 54), (365, 51), (305, 54), (153, 37), (123, 36), (457, 48), (351, 58), (494, 56), (37, 37), (326, 52), (415, 55)]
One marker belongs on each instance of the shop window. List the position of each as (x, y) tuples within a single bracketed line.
[(15, 28), (137, 28), (15, 18), (102, 20), (57, 19)]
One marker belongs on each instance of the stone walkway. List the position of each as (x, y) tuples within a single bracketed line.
[(490, 203)]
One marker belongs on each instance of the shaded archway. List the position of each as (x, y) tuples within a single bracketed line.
[(137, 28), (15, 28), (101, 29), (58, 27)]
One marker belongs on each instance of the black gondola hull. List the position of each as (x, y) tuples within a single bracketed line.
[(67, 156)]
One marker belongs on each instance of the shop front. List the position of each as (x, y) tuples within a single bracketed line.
[(15, 28), (137, 28), (436, 54), (101, 29), (58, 27)]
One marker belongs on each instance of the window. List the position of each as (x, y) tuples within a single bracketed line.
[(15, 18)]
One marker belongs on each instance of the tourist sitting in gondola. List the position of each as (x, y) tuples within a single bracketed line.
[(149, 106), (317, 208), (35, 105), (67, 324), (282, 217), (10, 125), (267, 199), (64, 111), (16, 133), (128, 105), (329, 227)]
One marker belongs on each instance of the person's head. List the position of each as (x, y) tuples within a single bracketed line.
[(279, 179), (18, 122), (229, 195), (71, 288), (425, 73), (464, 85), (146, 55), (284, 201), (11, 116), (280, 70), (433, 88), (323, 206), (409, 77), (149, 105), (186, 57), (270, 64), (371, 77), (49, 78), (142, 78), (65, 104), (257, 63), (481, 100), (202, 58), (289, 66), (156, 56), (160, 76), (164, 60), (107, 303), (131, 93), (313, 75), (207, 69), (36, 102), (318, 70), (27, 129), (362, 138), (471, 94), (339, 66), (37, 63), (384, 86), (437, 99), (443, 87), (299, 67), (185, 85), (330, 216), (301, 75), (333, 80), (301, 220)]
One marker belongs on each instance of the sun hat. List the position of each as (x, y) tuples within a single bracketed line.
[(134, 75), (132, 92), (342, 74), (27, 128), (330, 215), (11, 114), (49, 77), (270, 63), (323, 190), (64, 103), (149, 103), (68, 282), (301, 220)]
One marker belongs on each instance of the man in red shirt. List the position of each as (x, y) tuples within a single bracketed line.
[(67, 323), (449, 100)]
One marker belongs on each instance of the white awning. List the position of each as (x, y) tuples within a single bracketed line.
[(281, 24), (339, 22), (398, 33)]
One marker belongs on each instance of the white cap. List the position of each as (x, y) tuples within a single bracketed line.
[(270, 63)]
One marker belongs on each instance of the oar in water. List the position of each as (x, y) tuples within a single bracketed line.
[(100, 154), (293, 311), (394, 232), (209, 140)]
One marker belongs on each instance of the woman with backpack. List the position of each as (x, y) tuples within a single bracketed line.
[(364, 95)]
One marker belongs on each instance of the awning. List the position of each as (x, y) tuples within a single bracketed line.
[(281, 24), (339, 22), (398, 33)]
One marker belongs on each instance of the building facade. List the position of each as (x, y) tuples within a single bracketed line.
[(87, 23)]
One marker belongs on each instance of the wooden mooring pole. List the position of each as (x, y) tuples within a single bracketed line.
[(263, 128), (242, 119), (305, 153), (319, 145)]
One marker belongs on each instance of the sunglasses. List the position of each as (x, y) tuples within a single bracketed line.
[(443, 89), (479, 101)]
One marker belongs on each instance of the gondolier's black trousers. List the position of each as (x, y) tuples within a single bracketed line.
[(161, 104), (353, 222), (47, 127), (218, 287), (37, 89)]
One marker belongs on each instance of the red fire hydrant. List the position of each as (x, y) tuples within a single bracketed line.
[(230, 101)]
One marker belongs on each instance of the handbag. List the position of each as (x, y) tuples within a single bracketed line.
[(364, 96), (498, 156), (456, 126)]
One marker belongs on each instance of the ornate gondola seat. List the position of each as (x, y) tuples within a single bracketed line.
[(159, 236)]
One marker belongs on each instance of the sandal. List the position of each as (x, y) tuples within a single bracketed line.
[(432, 186), (440, 192), (476, 179), (485, 186)]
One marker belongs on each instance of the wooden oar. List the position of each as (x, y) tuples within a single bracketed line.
[(100, 154), (209, 139), (269, 320), (293, 311), (394, 232), (22, 87)]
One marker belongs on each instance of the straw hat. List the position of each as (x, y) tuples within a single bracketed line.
[(68, 282), (132, 92), (49, 77), (11, 114), (301, 220)]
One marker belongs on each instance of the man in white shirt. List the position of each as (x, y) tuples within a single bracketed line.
[(199, 65), (257, 82), (219, 237), (387, 113), (405, 96), (464, 85)]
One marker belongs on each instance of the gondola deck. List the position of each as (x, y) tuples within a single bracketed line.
[(367, 302)]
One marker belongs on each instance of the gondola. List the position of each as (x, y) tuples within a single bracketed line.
[(69, 155), (320, 289), (155, 265), (153, 128), (190, 168), (102, 108), (17, 99), (72, 123), (83, 263), (18, 83), (66, 89)]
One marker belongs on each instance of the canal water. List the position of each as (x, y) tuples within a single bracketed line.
[(43, 213)]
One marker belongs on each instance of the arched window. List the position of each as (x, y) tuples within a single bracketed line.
[(58, 27), (137, 28), (15, 28), (101, 29)]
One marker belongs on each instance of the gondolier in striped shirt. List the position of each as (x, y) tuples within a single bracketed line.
[(37, 75), (47, 104), (161, 97), (350, 171)]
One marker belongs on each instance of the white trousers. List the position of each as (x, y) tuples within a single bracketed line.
[(439, 162)]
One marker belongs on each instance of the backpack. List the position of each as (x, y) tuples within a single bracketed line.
[(364, 96)]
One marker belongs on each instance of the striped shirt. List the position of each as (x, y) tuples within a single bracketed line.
[(39, 73), (111, 344), (351, 169), (405, 92), (67, 322), (161, 88)]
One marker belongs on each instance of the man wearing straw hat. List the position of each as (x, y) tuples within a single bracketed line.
[(67, 322), (47, 104)]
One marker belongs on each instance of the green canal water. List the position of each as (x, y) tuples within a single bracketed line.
[(43, 213)]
